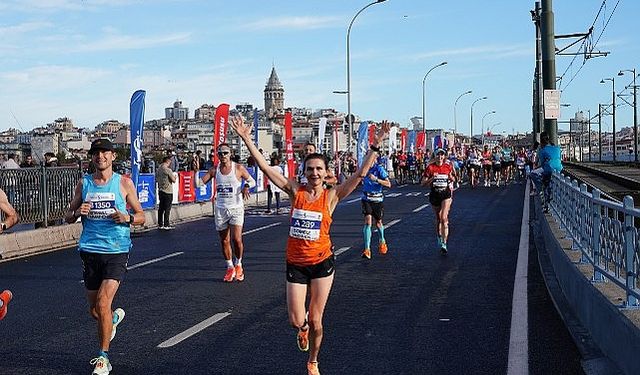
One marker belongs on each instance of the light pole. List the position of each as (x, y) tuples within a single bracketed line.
[(483, 116), (424, 80), (349, 116), (472, 104), (635, 113), (490, 128), (455, 117), (613, 111)]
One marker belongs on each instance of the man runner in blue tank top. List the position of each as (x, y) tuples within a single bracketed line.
[(372, 205), (101, 200)]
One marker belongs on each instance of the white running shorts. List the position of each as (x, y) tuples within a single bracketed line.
[(228, 216)]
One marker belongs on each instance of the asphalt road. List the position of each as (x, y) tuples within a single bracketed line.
[(411, 311)]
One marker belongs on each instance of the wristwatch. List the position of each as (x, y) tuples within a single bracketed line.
[(374, 148), (3, 226), (131, 219)]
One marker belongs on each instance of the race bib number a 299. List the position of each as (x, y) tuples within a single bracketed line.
[(305, 225)]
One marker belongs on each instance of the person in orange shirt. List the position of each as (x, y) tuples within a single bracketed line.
[(310, 260)]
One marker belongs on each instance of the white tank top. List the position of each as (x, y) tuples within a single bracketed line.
[(228, 189)]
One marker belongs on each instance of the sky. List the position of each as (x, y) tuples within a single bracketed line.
[(84, 59)]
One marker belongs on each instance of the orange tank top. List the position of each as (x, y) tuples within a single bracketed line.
[(309, 242)]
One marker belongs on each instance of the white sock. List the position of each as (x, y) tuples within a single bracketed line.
[(229, 263), (238, 261)]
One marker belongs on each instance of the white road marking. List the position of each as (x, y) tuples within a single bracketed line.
[(444, 319), (353, 200), (391, 223), (261, 228), (193, 330), (341, 250), (401, 186), (519, 340), (393, 195), (421, 207), (156, 260)]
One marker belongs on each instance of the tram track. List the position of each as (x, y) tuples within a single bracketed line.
[(614, 180)]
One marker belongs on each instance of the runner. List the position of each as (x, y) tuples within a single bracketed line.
[(10, 219), (439, 176), (473, 166), (486, 165), (372, 205), (310, 262), (411, 167), (521, 162), (402, 167), (507, 163), (101, 200), (496, 164), (229, 207)]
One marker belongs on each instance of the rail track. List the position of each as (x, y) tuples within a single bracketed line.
[(613, 180)]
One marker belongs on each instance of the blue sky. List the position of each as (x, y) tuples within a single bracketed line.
[(84, 59)]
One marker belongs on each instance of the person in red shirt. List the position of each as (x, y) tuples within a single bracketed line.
[(438, 176), (309, 255)]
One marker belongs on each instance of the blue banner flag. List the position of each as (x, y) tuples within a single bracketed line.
[(412, 141), (204, 192), (363, 141), (147, 190), (136, 121)]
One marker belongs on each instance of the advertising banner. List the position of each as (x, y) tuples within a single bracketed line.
[(204, 192), (372, 133), (220, 126), (322, 129), (421, 141), (412, 141), (403, 140), (136, 121), (176, 188), (187, 187), (288, 135), (393, 138), (147, 190), (363, 139)]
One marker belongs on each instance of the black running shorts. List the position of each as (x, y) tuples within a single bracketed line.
[(375, 209), (98, 267), (304, 274), (436, 197)]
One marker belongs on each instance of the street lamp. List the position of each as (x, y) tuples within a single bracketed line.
[(485, 115), (424, 118), (455, 119), (472, 104), (635, 112), (613, 113), (349, 117)]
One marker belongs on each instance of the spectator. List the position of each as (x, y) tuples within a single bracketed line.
[(28, 162), (549, 161), (209, 163), (201, 161), (174, 162), (165, 179), (11, 163), (50, 160), (272, 189), (195, 163)]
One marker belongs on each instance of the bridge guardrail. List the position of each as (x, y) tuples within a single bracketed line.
[(603, 231)]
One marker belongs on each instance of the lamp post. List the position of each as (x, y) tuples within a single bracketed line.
[(490, 128), (472, 104), (455, 117), (483, 116), (424, 80), (635, 112), (613, 111), (349, 116)]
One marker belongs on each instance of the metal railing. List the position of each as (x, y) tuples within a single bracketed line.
[(605, 232), (40, 195)]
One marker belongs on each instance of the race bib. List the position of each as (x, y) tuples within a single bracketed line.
[(103, 205), (224, 191), (440, 181), (305, 225)]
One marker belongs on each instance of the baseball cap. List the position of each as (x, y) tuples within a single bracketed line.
[(100, 144), (440, 150)]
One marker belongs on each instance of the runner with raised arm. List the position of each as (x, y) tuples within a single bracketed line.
[(310, 261)]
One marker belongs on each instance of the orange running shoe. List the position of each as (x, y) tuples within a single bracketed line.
[(5, 296), (382, 248), (312, 368), (366, 253), (239, 273), (303, 339), (230, 275)]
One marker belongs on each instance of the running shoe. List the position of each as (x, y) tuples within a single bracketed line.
[(303, 339), (366, 253), (239, 273), (169, 227), (439, 241), (118, 315), (5, 296), (230, 275), (312, 368), (382, 248), (102, 366), (443, 248)]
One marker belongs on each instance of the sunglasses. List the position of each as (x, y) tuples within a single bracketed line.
[(223, 153)]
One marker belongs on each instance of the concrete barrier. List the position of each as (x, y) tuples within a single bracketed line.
[(613, 333), (26, 243)]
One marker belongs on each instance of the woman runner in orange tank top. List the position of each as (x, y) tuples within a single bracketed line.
[(310, 266)]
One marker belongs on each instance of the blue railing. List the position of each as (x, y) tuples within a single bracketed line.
[(605, 232)]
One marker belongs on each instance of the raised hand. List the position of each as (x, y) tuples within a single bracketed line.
[(243, 130), (382, 132)]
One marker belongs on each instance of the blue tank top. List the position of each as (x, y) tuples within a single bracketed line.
[(100, 234), (372, 191)]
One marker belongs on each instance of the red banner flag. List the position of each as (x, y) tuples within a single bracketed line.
[(372, 132), (288, 139), (421, 141), (220, 126), (186, 192), (403, 139)]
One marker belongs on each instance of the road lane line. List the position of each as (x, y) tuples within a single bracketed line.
[(518, 339), (193, 330), (261, 228), (421, 207), (393, 195), (156, 260), (353, 200), (391, 223), (341, 250)]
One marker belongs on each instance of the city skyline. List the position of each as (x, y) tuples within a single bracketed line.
[(84, 59)]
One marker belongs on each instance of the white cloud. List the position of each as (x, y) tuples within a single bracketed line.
[(114, 42), (298, 23), (23, 28), (486, 52), (49, 78), (60, 5)]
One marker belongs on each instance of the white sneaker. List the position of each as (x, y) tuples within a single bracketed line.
[(169, 227), (118, 316), (162, 228), (102, 366)]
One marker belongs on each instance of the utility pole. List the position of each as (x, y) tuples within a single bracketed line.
[(538, 116), (589, 137), (600, 132), (549, 62)]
